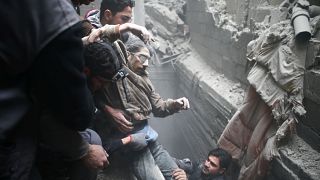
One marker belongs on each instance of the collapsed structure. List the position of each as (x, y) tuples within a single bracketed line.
[(224, 49), (283, 59)]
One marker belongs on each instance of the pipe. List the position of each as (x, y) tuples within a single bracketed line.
[(300, 21)]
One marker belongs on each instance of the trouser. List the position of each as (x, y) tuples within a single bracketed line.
[(147, 162), (163, 159), (144, 166)]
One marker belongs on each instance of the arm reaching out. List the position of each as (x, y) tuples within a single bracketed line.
[(113, 32)]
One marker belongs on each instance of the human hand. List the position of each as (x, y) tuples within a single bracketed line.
[(94, 36), (119, 119), (179, 174), (182, 104), (96, 158), (137, 30), (138, 141)]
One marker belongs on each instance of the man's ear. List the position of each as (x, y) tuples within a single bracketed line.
[(107, 14)]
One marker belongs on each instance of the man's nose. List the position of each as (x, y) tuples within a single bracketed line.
[(146, 63)]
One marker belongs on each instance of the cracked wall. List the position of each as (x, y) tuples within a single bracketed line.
[(221, 37)]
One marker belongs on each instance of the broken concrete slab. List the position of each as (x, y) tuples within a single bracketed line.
[(164, 16)]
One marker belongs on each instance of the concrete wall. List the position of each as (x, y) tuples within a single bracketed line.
[(227, 55), (216, 45)]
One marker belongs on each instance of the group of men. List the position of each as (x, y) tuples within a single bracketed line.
[(48, 90)]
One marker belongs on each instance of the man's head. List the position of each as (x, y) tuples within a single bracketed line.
[(217, 162), (100, 63), (116, 11), (139, 54)]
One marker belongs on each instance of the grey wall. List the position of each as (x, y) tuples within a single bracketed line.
[(216, 45), (227, 55)]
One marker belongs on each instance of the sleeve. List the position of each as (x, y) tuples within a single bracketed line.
[(62, 139), (113, 145), (160, 107), (61, 83), (111, 32)]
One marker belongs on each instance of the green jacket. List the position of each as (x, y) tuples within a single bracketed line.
[(136, 96)]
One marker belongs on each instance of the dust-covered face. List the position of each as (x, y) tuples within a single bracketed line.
[(139, 60), (212, 166)]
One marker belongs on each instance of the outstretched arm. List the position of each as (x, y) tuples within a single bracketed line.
[(113, 32)]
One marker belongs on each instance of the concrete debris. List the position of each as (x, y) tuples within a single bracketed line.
[(164, 16), (167, 27), (222, 19)]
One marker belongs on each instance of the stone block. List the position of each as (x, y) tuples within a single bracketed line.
[(311, 118), (301, 159), (275, 2), (281, 171), (208, 18), (244, 39), (310, 134), (312, 52), (228, 68), (312, 85), (164, 16), (198, 5), (259, 13), (233, 6), (226, 36), (203, 29)]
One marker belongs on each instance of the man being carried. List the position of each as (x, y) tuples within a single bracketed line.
[(137, 99)]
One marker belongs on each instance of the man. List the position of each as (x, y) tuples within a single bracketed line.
[(213, 168), (40, 66), (111, 12), (115, 12), (60, 141), (136, 99)]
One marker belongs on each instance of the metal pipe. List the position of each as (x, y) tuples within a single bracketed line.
[(300, 21)]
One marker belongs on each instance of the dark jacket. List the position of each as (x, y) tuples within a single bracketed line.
[(40, 63)]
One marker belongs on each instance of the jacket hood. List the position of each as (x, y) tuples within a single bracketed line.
[(94, 17)]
